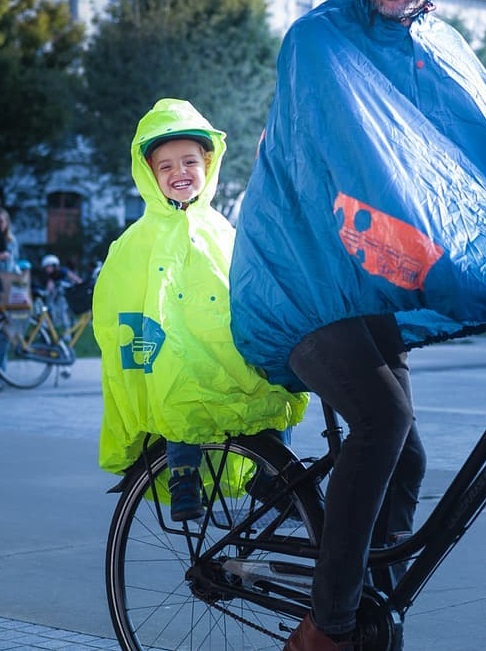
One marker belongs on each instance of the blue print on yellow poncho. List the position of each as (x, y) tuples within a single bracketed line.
[(368, 195), (161, 318)]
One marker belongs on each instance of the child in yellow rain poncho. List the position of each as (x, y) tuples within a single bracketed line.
[(161, 313)]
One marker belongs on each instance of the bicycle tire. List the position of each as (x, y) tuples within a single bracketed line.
[(20, 372), (153, 606)]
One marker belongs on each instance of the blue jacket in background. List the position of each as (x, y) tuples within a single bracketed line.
[(368, 195)]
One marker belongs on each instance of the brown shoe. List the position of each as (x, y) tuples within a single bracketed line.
[(307, 637)]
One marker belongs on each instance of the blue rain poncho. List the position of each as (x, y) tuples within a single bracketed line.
[(161, 318), (368, 195)]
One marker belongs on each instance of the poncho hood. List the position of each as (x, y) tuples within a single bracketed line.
[(368, 195), (169, 116), (161, 318)]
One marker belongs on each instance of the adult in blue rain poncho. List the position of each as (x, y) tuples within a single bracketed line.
[(363, 234), (161, 307)]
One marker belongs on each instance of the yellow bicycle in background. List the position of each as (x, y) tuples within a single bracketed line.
[(30, 344)]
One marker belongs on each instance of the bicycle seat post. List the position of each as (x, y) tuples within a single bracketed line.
[(333, 432)]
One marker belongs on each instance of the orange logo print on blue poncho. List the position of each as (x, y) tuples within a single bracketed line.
[(384, 245)]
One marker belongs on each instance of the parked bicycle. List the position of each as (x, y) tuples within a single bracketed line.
[(240, 578), (32, 343)]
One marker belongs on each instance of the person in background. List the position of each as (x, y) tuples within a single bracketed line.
[(362, 234), (161, 314), (53, 272), (9, 254), (9, 250), (54, 279)]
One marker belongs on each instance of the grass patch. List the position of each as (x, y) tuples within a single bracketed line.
[(87, 346)]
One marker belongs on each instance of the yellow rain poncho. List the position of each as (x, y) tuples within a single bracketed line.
[(162, 320)]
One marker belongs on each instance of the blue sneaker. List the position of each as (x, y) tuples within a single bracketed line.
[(185, 491)]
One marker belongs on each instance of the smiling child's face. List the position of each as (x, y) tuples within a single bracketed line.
[(179, 167)]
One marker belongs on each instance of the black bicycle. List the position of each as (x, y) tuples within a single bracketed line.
[(240, 578)]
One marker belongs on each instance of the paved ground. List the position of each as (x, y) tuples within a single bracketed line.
[(56, 512), (23, 636)]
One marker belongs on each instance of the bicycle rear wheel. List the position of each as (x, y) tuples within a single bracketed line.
[(19, 371), (203, 586)]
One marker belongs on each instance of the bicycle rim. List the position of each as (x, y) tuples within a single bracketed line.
[(23, 373), (152, 603)]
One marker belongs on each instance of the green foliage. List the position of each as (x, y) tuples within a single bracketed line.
[(86, 345), (218, 54), (39, 48)]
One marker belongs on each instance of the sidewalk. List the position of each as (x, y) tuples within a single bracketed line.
[(56, 517), (54, 524), (27, 637)]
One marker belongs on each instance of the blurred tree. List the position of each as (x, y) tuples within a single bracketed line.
[(98, 234), (218, 54), (39, 48)]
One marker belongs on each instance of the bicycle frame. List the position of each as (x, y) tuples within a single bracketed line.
[(455, 512), (256, 558), (453, 515), (73, 333)]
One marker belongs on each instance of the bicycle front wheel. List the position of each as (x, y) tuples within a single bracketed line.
[(206, 585), (17, 370)]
